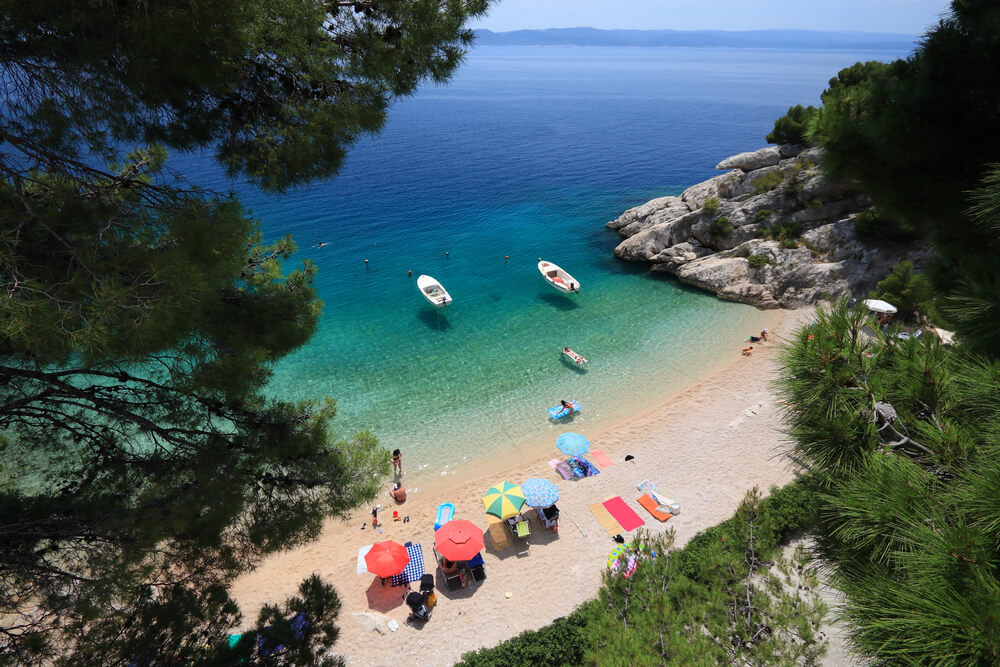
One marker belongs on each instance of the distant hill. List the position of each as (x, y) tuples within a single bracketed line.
[(749, 39)]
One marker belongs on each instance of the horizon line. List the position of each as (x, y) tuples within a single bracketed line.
[(810, 30)]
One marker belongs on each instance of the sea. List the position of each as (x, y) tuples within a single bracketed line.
[(524, 155)]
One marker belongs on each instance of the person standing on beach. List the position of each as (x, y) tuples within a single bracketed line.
[(763, 335), (397, 461)]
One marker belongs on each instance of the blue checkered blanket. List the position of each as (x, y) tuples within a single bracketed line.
[(414, 569)]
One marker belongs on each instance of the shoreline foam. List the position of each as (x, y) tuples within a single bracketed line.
[(705, 447)]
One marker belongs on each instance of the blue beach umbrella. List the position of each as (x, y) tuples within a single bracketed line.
[(572, 444), (539, 492)]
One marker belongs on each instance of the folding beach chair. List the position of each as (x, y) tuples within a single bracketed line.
[(476, 568), (454, 580)]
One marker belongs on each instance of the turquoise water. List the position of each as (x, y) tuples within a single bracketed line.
[(526, 154)]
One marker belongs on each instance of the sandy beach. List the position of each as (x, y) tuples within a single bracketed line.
[(704, 447)]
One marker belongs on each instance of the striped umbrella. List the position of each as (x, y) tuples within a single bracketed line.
[(572, 444), (539, 492), (503, 500)]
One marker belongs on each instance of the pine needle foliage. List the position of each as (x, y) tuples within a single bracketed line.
[(905, 434), (143, 463)]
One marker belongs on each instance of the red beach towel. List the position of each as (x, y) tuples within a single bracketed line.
[(623, 514)]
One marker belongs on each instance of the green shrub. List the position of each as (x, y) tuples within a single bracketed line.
[(711, 205), (761, 215), (720, 226), (792, 127), (786, 233), (814, 203), (905, 289), (561, 643), (758, 261), (675, 595), (768, 182)]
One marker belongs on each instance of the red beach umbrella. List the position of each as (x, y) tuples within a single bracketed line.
[(386, 559), (458, 540)]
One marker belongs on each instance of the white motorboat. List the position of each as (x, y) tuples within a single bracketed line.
[(433, 291), (558, 278)]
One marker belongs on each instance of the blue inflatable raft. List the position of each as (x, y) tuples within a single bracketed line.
[(558, 411)]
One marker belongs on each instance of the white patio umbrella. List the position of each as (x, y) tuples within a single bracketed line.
[(880, 306)]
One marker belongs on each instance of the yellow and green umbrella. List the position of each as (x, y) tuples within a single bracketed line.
[(503, 500)]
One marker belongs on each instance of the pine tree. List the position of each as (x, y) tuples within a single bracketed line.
[(907, 435), (142, 463)]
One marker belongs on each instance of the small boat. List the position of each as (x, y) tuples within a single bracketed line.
[(558, 278), (433, 291), (558, 411), (574, 355)]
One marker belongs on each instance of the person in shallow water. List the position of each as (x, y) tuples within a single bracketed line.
[(567, 407), (397, 461)]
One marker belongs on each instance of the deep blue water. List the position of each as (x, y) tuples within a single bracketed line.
[(526, 154)]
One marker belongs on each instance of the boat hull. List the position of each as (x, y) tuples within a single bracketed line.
[(434, 292), (558, 278)]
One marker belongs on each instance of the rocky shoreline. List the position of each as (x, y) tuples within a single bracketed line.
[(771, 232)]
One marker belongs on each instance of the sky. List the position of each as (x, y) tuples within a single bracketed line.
[(910, 17)]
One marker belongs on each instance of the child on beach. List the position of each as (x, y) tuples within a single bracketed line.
[(747, 351)]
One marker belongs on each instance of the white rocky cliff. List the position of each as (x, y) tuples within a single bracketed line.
[(771, 232)]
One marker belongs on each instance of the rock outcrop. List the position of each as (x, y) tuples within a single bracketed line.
[(772, 232)]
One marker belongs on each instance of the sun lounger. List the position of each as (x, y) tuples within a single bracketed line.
[(652, 507)]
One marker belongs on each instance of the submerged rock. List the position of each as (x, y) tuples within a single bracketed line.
[(773, 232)]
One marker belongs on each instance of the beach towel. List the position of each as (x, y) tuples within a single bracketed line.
[(604, 518), (362, 551), (652, 507), (562, 468), (498, 535), (587, 468), (414, 569), (623, 514), (600, 458)]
